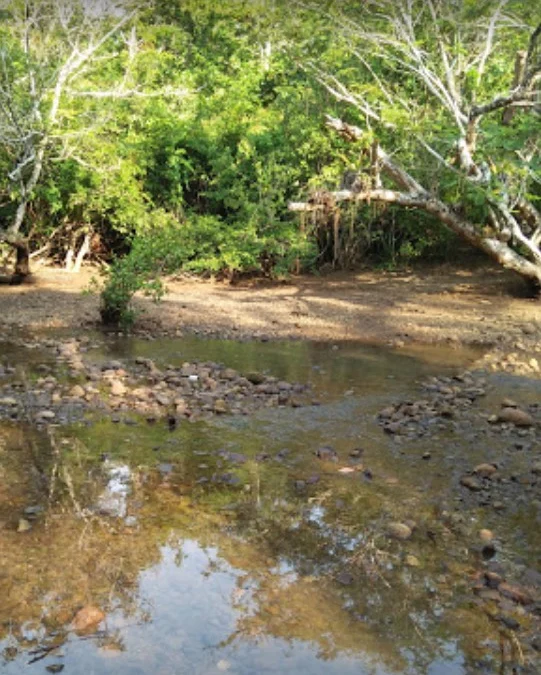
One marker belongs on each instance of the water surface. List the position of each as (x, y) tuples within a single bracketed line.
[(234, 548)]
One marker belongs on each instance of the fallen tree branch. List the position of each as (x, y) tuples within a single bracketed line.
[(495, 248)]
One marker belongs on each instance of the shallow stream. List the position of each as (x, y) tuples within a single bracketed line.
[(229, 545)]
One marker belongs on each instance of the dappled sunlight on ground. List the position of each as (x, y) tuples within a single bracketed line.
[(433, 304)]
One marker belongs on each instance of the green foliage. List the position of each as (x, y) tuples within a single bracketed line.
[(219, 124), (202, 244)]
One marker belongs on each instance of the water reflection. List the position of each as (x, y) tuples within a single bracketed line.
[(228, 546)]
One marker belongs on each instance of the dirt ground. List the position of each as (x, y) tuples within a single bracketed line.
[(463, 305)]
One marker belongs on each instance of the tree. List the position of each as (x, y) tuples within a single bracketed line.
[(48, 46), (453, 88)]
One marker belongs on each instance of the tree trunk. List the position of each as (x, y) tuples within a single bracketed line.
[(412, 195), (22, 262), (22, 258)]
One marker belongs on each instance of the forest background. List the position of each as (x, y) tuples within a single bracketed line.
[(181, 136)]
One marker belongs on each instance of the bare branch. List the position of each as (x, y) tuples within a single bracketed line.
[(449, 74), (517, 97), (342, 93), (489, 40)]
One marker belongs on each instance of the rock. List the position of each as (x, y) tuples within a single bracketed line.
[(529, 329), (181, 408), (227, 479), (509, 403), (77, 391), (493, 580), (485, 470), (118, 388), (345, 578), (229, 374), (392, 428), (356, 453), (143, 361), (255, 378), (531, 578), (447, 411), (235, 457), (515, 593), (471, 483), (142, 393), (489, 594), (326, 453), (46, 415), (519, 418), (412, 561), (55, 668), (32, 512), (536, 468), (8, 401), (220, 407), (486, 536), (24, 525), (399, 531), (386, 413), (87, 618), (162, 399), (536, 643)]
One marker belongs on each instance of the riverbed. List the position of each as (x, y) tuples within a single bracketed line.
[(344, 524)]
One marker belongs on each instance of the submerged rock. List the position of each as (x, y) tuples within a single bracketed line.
[(515, 593), (399, 531), (326, 453), (345, 578), (412, 561), (87, 618)]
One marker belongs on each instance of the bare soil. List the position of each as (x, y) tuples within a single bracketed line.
[(464, 305)]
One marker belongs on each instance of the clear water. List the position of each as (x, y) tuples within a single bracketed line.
[(238, 550)]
